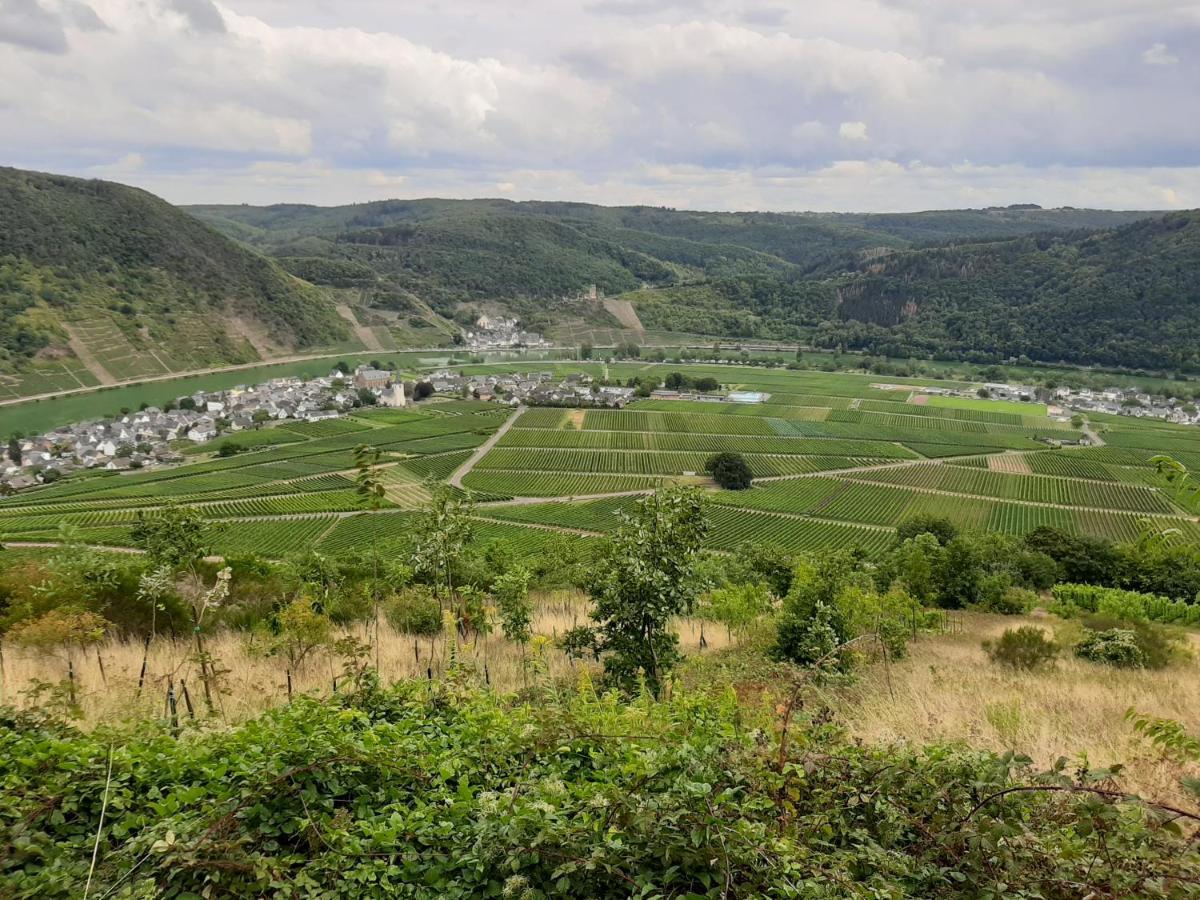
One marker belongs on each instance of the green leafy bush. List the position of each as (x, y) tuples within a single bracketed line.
[(415, 610), (1112, 647), (1012, 601), (1023, 648)]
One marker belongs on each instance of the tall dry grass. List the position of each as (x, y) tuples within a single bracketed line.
[(948, 690), (250, 681)]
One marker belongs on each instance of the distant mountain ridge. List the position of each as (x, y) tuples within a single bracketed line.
[(100, 281), (979, 284)]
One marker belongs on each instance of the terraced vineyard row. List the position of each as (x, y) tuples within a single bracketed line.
[(592, 515), (654, 462), (701, 443), (880, 504), (1030, 488), (730, 528), (524, 483), (285, 505), (1126, 456), (942, 412), (438, 467), (969, 442), (327, 427), (272, 539), (368, 530)]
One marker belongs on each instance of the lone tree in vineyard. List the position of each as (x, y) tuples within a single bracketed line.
[(730, 471)]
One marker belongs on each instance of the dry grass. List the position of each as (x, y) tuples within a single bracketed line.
[(948, 690), (252, 681)]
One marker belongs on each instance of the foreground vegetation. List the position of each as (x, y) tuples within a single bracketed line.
[(444, 791), (605, 747)]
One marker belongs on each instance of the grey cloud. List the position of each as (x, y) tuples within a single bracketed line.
[(26, 23), (84, 17), (202, 15)]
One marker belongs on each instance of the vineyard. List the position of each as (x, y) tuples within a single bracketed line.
[(837, 461)]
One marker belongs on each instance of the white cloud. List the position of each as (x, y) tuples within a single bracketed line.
[(853, 131), (1157, 55), (712, 103)]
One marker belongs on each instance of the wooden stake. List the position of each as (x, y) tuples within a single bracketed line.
[(187, 699), (100, 662)]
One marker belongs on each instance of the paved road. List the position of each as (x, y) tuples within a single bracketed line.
[(455, 480)]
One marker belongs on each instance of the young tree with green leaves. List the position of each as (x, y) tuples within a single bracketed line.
[(174, 536), (643, 578), (511, 592), (369, 487)]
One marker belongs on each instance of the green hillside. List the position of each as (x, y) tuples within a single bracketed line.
[(102, 282), (983, 284)]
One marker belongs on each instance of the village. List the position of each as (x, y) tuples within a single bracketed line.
[(1110, 401), (157, 436), (501, 333)]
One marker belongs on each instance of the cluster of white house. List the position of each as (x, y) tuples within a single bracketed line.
[(1113, 400), (501, 332), (535, 388), (149, 436)]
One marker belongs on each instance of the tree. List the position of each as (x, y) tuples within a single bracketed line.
[(511, 590), (441, 533), (14, 450), (730, 471), (187, 403), (585, 350), (260, 416), (302, 628), (943, 529), (366, 397), (175, 536), (706, 383), (737, 606), (369, 488), (642, 578), (423, 390)]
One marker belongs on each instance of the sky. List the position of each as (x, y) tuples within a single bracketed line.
[(844, 105)]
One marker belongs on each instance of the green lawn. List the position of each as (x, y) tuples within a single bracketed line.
[(1006, 406)]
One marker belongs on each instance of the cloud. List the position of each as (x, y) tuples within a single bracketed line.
[(720, 103), (1157, 55), (26, 23), (202, 15), (853, 131)]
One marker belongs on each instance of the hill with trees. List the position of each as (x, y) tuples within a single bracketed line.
[(1074, 285), (124, 273)]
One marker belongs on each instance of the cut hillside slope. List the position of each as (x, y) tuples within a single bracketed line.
[(99, 279)]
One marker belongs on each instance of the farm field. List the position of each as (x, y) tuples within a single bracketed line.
[(838, 460)]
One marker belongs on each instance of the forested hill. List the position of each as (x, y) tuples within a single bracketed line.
[(744, 274), (91, 258), (1128, 297)]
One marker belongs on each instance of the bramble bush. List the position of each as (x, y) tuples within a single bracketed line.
[(444, 791)]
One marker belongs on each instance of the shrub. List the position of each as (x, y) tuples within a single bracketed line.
[(415, 610), (730, 471), (1158, 646), (1013, 601), (1112, 647), (1023, 648)]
